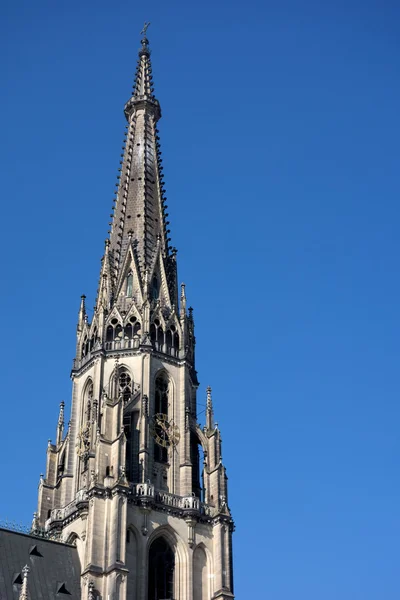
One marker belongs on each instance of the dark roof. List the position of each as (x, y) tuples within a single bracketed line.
[(54, 567)]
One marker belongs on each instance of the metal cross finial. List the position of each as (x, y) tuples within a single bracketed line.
[(145, 28)]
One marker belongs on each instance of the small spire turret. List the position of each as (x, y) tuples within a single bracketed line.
[(209, 410), (91, 591), (183, 300), (24, 589), (82, 316), (60, 426)]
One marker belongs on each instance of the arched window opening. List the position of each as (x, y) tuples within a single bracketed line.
[(61, 464), (160, 338), (196, 453), (129, 285), (155, 290), (93, 340), (161, 571), (110, 333), (131, 430), (161, 406), (114, 333), (168, 341), (136, 328), (153, 333), (128, 331), (176, 343), (161, 398), (85, 347), (125, 386)]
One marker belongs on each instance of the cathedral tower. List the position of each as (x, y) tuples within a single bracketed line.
[(133, 480)]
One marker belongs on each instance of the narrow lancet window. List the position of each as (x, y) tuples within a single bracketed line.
[(154, 288), (129, 285)]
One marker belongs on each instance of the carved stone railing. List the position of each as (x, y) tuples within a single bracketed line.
[(143, 489), (77, 364), (159, 497), (166, 349), (123, 344), (60, 514)]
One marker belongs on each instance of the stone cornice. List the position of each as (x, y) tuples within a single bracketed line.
[(127, 352)]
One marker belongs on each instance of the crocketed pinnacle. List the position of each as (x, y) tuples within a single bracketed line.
[(139, 219), (24, 588)]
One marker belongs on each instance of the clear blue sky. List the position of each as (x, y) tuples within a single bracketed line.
[(280, 135)]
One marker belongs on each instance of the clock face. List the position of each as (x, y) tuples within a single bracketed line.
[(164, 431)]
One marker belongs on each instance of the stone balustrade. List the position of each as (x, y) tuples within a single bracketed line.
[(192, 503), (60, 514), (146, 491), (123, 344)]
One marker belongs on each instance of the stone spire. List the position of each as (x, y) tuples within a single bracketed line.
[(82, 313), (144, 81), (60, 425), (139, 226), (209, 410), (24, 589)]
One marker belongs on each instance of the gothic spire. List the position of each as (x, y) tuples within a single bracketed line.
[(139, 224)]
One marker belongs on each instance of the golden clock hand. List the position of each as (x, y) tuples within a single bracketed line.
[(163, 427)]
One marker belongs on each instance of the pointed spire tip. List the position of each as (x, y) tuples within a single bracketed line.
[(144, 50)]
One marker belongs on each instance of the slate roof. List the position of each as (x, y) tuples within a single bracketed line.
[(51, 564)]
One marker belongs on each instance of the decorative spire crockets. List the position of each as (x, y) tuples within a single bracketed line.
[(139, 226), (209, 410)]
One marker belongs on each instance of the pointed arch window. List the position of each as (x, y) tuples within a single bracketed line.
[(161, 570), (197, 460), (161, 397), (125, 386), (61, 464), (131, 430), (161, 406), (93, 339), (155, 288), (121, 385), (129, 285), (85, 347)]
